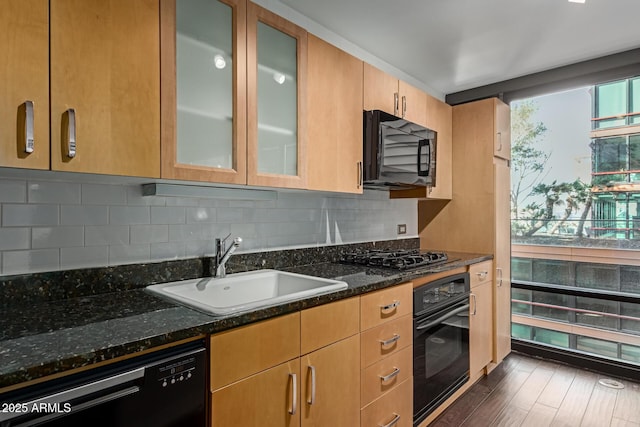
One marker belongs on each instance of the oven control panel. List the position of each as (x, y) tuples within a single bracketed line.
[(434, 295)]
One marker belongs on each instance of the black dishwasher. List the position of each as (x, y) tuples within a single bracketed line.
[(166, 388)]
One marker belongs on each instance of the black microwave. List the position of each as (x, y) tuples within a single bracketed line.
[(398, 154)]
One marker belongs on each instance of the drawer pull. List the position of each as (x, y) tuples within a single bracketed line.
[(482, 274), (294, 394), (393, 422), (311, 400), (390, 376), (391, 306), (390, 341)]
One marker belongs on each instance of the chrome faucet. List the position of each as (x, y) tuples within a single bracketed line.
[(223, 255)]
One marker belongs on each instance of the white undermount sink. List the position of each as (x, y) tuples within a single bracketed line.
[(242, 292)]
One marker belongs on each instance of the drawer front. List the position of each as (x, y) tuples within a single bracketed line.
[(326, 324), (397, 405), (385, 305), (480, 273), (385, 340), (244, 351), (383, 376)]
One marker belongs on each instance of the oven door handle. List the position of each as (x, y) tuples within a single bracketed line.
[(443, 318)]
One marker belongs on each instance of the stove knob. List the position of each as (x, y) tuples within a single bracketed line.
[(173, 380), (164, 383), (181, 378), (188, 374)]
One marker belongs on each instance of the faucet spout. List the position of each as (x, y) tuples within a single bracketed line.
[(223, 256)]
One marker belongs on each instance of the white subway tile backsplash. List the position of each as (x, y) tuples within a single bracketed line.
[(13, 191), (167, 251), (149, 234), (200, 215), (99, 194), (29, 215), (129, 215), (84, 215), (84, 257), (53, 192), (68, 223), (15, 238), (130, 254), (168, 215), (33, 261), (102, 235), (56, 237)]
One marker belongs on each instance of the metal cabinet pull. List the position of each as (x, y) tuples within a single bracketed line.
[(499, 142), (28, 127), (391, 306), (360, 174), (404, 106), (396, 107), (71, 133), (392, 340), (475, 304), (499, 271), (294, 394), (482, 274), (390, 376), (311, 400), (393, 422)]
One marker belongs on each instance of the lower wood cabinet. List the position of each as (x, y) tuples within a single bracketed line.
[(393, 409), (261, 377), (480, 319)]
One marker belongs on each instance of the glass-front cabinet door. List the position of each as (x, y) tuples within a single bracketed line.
[(276, 66), (204, 90)]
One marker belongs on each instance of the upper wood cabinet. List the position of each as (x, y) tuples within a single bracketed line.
[(203, 101), (276, 100), (105, 87), (24, 53), (334, 151), (101, 59), (502, 124), (233, 99), (385, 92)]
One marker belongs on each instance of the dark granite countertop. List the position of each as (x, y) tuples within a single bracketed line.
[(50, 337)]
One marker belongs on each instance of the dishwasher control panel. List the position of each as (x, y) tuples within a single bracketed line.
[(177, 371)]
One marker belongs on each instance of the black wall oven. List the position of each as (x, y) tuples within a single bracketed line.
[(440, 342)]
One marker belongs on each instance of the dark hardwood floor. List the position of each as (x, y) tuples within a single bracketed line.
[(524, 391)]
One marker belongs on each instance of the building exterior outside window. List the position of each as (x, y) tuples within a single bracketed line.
[(576, 278)]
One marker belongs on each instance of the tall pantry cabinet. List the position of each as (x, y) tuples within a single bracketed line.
[(478, 217)]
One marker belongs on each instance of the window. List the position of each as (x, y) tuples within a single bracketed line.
[(617, 104)]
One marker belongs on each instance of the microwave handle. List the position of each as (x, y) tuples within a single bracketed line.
[(423, 143)]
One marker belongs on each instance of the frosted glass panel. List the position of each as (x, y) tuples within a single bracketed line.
[(204, 73), (277, 102)]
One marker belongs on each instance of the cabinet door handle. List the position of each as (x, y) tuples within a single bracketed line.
[(499, 271), (393, 422), (396, 106), (390, 307), (360, 174), (390, 376), (475, 304), (28, 127), (294, 394), (71, 133), (311, 400), (404, 106), (390, 341), (499, 142)]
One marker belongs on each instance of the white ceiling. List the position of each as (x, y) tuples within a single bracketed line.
[(452, 45)]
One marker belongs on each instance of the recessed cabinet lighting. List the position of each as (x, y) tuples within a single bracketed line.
[(219, 62), (577, 1)]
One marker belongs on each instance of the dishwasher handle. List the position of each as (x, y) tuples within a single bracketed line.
[(84, 390)]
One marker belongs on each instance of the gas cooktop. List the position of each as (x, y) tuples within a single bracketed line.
[(399, 259)]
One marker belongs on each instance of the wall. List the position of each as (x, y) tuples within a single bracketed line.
[(54, 221)]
